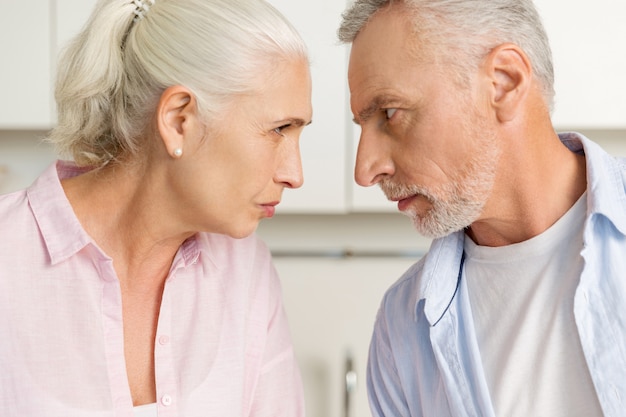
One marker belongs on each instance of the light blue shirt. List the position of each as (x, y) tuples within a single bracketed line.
[(424, 358)]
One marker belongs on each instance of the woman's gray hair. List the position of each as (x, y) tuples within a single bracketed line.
[(466, 30), (113, 73)]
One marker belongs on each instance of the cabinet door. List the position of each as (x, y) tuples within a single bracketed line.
[(588, 40), (33, 33), (323, 143), (25, 96), (331, 305), (70, 16)]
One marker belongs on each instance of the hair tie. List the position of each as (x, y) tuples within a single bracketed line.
[(141, 8)]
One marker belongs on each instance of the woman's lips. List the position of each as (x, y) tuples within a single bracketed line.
[(269, 208)]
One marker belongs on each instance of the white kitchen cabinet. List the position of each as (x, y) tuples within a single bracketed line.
[(69, 18), (31, 36), (588, 42), (25, 95), (331, 304), (334, 271), (71, 15), (323, 143)]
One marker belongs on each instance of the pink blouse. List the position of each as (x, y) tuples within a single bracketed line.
[(222, 347)]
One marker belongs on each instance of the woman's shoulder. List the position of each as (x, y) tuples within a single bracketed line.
[(14, 211), (11, 201)]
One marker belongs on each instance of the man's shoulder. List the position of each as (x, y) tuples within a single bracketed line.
[(432, 279), (408, 284), (401, 298)]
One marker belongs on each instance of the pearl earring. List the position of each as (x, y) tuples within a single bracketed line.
[(178, 152)]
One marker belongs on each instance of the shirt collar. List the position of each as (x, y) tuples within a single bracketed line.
[(188, 253), (62, 233), (605, 195), (605, 179), (61, 230), (441, 275)]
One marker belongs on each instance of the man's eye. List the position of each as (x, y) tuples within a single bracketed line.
[(390, 112)]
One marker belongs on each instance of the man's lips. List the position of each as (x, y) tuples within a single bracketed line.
[(404, 202)]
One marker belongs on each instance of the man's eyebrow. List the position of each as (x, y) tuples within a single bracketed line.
[(376, 104)]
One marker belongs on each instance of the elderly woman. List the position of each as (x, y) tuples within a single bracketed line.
[(130, 279)]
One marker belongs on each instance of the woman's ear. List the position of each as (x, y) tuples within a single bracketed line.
[(510, 73), (176, 114)]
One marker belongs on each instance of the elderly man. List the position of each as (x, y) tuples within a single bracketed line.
[(519, 307)]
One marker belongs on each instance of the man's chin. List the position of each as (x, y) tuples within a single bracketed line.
[(429, 227)]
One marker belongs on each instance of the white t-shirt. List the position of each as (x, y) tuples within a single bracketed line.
[(522, 299), (147, 410)]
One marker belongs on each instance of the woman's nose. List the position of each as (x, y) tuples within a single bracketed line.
[(289, 172)]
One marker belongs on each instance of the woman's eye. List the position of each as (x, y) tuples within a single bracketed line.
[(390, 112), (279, 130)]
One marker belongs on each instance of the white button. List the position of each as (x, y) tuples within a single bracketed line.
[(166, 400), (164, 340)]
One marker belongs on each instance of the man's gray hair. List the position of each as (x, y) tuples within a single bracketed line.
[(464, 31)]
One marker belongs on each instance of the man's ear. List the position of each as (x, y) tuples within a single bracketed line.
[(176, 114), (510, 73)]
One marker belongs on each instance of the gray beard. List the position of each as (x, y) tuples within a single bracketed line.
[(456, 204)]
